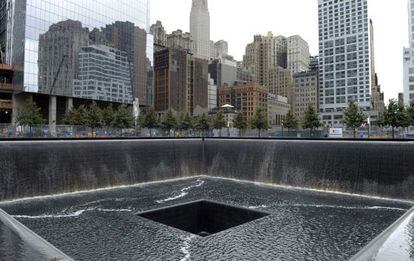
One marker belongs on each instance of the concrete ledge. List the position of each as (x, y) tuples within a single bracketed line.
[(395, 243), (23, 244)]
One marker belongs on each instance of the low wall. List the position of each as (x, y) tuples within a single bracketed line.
[(36, 168)]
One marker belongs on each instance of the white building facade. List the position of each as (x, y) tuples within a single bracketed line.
[(200, 28), (408, 76), (408, 58), (345, 58), (104, 75)]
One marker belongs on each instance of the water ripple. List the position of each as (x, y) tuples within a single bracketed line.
[(71, 215), (183, 192)]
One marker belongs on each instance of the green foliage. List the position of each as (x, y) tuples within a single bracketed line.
[(395, 116), (76, 117), (123, 118), (29, 115), (94, 116), (108, 116), (311, 120), (410, 112), (260, 121), (219, 121), (203, 124), (354, 117), (169, 122), (185, 122), (240, 122), (290, 121), (149, 119)]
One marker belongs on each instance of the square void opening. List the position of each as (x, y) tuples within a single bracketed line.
[(203, 218)]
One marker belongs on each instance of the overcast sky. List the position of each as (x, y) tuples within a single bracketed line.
[(236, 21)]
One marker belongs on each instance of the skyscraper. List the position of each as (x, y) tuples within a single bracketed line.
[(345, 58), (200, 28), (266, 59), (3, 28), (408, 67), (180, 82), (408, 58), (264, 54), (298, 54)]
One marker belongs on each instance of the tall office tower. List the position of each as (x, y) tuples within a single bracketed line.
[(345, 58), (298, 54), (3, 30), (408, 67), (267, 61), (180, 82), (265, 53), (172, 84), (200, 28), (409, 58), (38, 30)]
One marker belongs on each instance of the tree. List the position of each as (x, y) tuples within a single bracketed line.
[(311, 120), (150, 120), (410, 111), (240, 123), (169, 122), (203, 124), (260, 121), (395, 116), (185, 122), (290, 121), (108, 115), (123, 119), (219, 122), (354, 117), (94, 118), (29, 115), (76, 117)]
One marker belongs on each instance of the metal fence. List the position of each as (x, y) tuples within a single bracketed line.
[(65, 131)]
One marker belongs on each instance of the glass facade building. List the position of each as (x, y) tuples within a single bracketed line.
[(46, 39)]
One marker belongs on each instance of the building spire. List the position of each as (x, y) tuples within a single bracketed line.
[(202, 4), (200, 28)]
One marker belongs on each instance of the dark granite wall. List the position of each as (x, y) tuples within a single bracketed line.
[(42, 168), (370, 168)]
